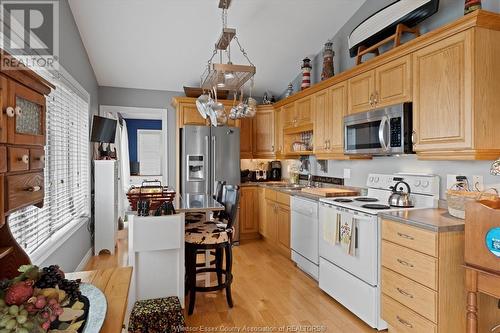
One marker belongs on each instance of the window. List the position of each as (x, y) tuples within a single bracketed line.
[(67, 196), (149, 152)]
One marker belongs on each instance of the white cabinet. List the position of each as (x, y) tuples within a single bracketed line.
[(106, 205)]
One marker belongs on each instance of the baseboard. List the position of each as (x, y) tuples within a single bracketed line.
[(85, 260)]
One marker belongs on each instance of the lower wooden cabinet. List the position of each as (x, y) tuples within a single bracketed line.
[(276, 225), (423, 279), (249, 212)]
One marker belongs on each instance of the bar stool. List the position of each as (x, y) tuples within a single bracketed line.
[(208, 235)]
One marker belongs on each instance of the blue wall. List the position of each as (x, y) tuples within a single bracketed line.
[(132, 126)]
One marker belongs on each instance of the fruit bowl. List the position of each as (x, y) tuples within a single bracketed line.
[(42, 300)]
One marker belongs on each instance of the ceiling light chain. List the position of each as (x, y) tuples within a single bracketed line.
[(243, 50)]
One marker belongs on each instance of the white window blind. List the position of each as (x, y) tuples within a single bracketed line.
[(66, 171)]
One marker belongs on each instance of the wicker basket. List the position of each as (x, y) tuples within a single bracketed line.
[(457, 200)]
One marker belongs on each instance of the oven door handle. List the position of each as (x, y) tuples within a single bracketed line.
[(384, 125)]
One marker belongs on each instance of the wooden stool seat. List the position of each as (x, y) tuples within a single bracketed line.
[(160, 315)]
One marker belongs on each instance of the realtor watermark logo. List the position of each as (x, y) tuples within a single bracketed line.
[(30, 34)]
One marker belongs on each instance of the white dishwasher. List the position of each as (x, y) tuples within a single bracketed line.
[(304, 238)]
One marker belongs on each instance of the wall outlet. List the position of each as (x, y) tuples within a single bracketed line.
[(347, 173), (477, 183), (451, 180)]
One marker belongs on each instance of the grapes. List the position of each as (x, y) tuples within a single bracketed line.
[(52, 276), (13, 310)]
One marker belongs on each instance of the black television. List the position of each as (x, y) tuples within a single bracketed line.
[(103, 130)]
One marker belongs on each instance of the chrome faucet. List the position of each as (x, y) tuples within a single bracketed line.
[(309, 180)]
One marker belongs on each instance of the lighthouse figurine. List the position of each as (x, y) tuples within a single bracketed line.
[(327, 61), (306, 74)]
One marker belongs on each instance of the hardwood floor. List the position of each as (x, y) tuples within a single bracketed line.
[(268, 291)]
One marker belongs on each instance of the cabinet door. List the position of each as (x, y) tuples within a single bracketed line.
[(263, 129), (246, 138), (270, 230), (278, 133), (289, 117), (2, 201), (262, 211), (335, 120), (361, 90), (191, 116), (249, 210), (283, 218), (322, 113), (393, 82), (27, 124), (303, 111), (442, 115), (3, 105)]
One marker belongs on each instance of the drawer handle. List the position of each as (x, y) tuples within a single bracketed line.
[(404, 322), (10, 112), (35, 188), (404, 293), (405, 263), (41, 159), (405, 236), (25, 159)]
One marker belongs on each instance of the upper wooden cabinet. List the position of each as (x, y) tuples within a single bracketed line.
[(263, 132), (361, 90), (278, 133), (322, 114), (188, 114), (386, 85), (298, 113), (246, 138), (288, 115), (25, 115)]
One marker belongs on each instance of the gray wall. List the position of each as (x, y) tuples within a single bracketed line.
[(147, 99), (449, 10), (73, 57)]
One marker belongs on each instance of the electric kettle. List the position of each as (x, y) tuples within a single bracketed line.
[(399, 198)]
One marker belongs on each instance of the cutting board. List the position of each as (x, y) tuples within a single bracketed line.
[(331, 192)]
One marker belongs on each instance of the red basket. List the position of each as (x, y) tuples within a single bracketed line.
[(152, 191)]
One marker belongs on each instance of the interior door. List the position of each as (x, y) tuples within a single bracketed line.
[(26, 116), (225, 161)]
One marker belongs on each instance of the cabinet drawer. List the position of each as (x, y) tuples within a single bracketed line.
[(283, 198), (411, 294), (417, 239), (270, 194), (412, 264), (3, 159), (403, 320), (19, 159), (37, 159), (24, 190)]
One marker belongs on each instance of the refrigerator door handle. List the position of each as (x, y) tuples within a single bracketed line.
[(207, 180), (214, 157)]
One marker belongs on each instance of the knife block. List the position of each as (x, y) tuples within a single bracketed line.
[(482, 235)]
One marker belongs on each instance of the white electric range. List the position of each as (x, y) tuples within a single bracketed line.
[(353, 279)]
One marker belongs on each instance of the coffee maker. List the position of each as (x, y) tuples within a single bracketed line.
[(275, 170)]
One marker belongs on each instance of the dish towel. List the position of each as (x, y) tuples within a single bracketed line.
[(347, 236), (330, 231)]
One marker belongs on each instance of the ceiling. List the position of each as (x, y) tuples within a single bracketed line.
[(165, 44)]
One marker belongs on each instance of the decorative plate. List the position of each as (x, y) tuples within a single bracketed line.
[(98, 307)]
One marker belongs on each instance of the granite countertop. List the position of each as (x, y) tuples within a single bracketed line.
[(433, 219)]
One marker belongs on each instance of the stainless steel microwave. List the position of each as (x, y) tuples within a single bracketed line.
[(385, 131)]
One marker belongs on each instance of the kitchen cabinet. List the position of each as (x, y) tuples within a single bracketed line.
[(278, 133), (246, 138), (442, 116), (386, 85), (249, 212), (330, 107), (263, 132), (276, 225), (422, 279), (25, 116), (298, 113), (3, 106), (262, 220)]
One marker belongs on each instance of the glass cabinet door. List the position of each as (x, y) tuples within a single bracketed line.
[(26, 116)]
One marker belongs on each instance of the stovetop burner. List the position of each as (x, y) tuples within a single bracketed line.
[(376, 206), (366, 199), (342, 200)]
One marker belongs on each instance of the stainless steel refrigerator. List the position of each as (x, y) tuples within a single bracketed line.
[(209, 154)]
